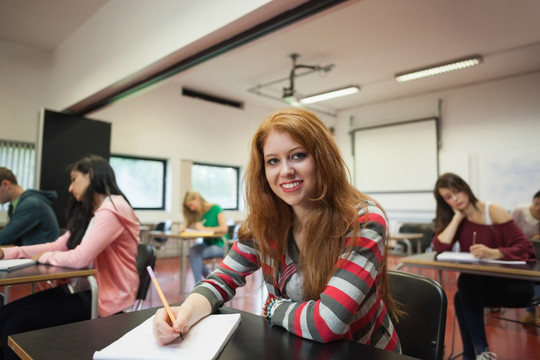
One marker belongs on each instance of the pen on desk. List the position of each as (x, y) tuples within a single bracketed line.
[(162, 297), (474, 238)]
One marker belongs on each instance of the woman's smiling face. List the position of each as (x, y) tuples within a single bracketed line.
[(290, 170)]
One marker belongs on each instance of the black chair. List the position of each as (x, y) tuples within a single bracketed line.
[(421, 331), (162, 226), (146, 256), (535, 301), (425, 228)]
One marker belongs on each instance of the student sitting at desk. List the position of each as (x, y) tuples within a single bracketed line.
[(103, 232), (31, 217), (488, 232), (527, 217), (202, 215), (321, 243)]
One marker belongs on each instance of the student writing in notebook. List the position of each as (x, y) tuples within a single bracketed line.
[(103, 233), (31, 217), (487, 231), (527, 217), (202, 215), (321, 243)]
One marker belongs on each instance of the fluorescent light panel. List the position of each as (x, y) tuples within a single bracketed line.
[(440, 69), (291, 100), (330, 95)]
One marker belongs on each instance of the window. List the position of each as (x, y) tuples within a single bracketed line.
[(217, 184), (20, 158), (142, 180)]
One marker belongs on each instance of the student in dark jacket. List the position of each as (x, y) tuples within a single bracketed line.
[(31, 218)]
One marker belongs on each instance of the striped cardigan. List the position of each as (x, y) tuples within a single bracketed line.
[(350, 307)]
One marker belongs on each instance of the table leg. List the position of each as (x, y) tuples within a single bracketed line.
[(94, 290), (184, 249), (418, 246), (6, 294), (182, 274)]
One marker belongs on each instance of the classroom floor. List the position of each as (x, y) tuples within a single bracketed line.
[(507, 337)]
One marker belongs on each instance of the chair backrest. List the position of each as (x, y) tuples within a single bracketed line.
[(536, 246), (162, 226), (424, 228), (146, 256), (421, 331)]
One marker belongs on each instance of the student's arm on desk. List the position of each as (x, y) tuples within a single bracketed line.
[(447, 235), (220, 229), (194, 308), (27, 252)]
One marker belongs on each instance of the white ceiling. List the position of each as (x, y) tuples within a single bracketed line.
[(43, 24), (368, 42)]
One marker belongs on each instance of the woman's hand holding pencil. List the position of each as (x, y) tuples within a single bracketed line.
[(163, 299), (193, 309)]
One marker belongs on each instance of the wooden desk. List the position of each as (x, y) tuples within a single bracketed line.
[(41, 272), (254, 338), (186, 239), (407, 239), (529, 271)]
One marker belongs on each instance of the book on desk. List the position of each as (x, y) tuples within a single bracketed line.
[(467, 257), (13, 264), (205, 340)]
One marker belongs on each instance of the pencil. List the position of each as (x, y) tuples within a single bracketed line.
[(162, 297), (474, 238)]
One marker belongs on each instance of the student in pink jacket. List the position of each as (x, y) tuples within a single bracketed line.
[(103, 233)]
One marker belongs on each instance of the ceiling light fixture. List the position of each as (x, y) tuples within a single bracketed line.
[(330, 95), (289, 94), (439, 68)]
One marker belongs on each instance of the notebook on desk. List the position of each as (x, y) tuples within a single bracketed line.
[(12, 264), (454, 256), (205, 340)]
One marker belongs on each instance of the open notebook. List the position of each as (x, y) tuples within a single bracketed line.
[(12, 264), (454, 256), (205, 340)]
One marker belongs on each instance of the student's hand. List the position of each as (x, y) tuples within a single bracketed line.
[(164, 333), (480, 251), (458, 215), (198, 226)]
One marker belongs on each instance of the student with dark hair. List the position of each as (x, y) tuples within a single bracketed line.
[(320, 243), (31, 217), (488, 232), (103, 233)]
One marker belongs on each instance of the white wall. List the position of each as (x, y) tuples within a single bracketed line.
[(24, 76), (483, 122), (162, 123), (148, 32), (102, 52)]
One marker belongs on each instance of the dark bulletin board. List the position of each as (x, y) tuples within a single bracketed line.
[(62, 140)]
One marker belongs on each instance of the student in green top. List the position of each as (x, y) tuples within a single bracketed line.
[(201, 215)]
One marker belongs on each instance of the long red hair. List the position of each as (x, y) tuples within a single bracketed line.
[(335, 204)]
